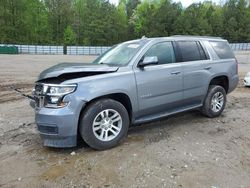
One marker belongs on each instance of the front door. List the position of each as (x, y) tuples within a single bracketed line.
[(159, 86)]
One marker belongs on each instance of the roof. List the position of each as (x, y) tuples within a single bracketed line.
[(186, 37), (144, 39)]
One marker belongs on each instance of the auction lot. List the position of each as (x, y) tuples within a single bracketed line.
[(186, 150)]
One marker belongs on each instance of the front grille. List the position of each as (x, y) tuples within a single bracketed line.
[(38, 89), (39, 101), (39, 94)]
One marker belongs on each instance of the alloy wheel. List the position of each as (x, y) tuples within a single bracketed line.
[(107, 125), (217, 102)]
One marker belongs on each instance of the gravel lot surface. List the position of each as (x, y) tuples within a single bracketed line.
[(186, 150)]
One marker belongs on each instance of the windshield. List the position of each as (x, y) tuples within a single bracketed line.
[(120, 54)]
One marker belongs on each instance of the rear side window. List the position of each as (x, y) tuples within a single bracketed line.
[(191, 51), (222, 49), (164, 52)]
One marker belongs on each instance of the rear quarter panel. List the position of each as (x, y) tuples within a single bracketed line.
[(225, 67)]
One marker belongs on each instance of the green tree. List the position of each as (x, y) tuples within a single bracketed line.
[(131, 5), (216, 21), (122, 26), (23, 21), (144, 20), (59, 17), (236, 20), (36, 22), (155, 18), (193, 21), (69, 36), (97, 22)]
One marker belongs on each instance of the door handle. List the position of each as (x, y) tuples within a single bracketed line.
[(207, 68), (175, 72)]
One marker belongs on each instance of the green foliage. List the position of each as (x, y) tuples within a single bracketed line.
[(69, 36), (194, 21), (97, 22)]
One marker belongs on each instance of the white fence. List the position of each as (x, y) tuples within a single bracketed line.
[(71, 50), (240, 46), (35, 49), (87, 50)]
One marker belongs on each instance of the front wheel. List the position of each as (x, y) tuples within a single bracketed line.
[(215, 101), (104, 124)]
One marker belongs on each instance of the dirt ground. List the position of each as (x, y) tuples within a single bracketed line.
[(186, 150)]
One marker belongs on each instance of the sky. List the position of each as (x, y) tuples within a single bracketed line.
[(185, 3)]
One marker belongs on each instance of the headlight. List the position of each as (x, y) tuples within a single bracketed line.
[(60, 90), (54, 95)]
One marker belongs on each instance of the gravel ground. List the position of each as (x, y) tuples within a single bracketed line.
[(186, 150)]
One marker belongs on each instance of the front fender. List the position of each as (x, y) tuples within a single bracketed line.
[(93, 87)]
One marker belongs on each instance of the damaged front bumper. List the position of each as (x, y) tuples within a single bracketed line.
[(58, 127)]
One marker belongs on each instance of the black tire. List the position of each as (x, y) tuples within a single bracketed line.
[(207, 105), (91, 112)]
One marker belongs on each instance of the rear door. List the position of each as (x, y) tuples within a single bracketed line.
[(195, 63), (159, 87)]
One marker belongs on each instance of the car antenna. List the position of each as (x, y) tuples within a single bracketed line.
[(143, 37)]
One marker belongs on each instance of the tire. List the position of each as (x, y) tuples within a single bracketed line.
[(104, 124), (210, 107)]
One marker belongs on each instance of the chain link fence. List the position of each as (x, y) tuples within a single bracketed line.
[(86, 50)]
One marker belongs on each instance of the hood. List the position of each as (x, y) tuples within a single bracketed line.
[(76, 70)]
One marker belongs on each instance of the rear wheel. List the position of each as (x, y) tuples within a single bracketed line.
[(104, 124), (215, 101)]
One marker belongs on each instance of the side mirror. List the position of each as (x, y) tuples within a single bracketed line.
[(148, 60)]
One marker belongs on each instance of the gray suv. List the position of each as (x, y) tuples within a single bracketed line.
[(132, 83)]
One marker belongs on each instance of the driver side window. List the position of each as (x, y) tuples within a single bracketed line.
[(164, 52)]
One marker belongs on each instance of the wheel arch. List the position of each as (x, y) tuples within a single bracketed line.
[(221, 80), (120, 97)]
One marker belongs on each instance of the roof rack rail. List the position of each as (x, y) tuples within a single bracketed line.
[(194, 36)]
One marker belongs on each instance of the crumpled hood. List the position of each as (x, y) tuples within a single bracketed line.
[(70, 68)]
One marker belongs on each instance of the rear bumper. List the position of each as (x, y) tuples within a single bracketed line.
[(233, 83), (58, 127)]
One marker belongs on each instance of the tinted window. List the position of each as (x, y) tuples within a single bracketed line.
[(164, 52), (222, 49), (191, 51), (202, 52)]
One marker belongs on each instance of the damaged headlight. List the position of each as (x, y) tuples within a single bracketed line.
[(55, 94), (60, 90), (51, 95)]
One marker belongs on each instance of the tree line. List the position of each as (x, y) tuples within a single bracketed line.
[(98, 22)]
